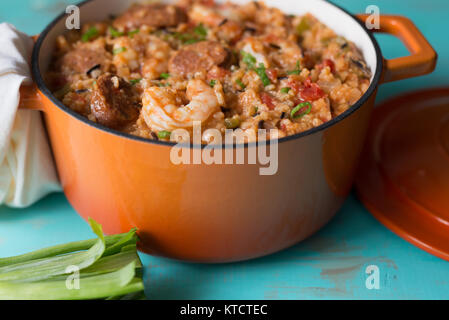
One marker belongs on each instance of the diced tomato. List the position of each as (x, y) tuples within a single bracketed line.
[(271, 38), (208, 3), (329, 63), (307, 91), (311, 91), (268, 100), (326, 63), (272, 74), (295, 85)]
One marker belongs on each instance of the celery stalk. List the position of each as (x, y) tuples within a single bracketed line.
[(44, 268), (109, 267), (129, 238), (110, 263), (111, 242), (117, 283), (58, 249)]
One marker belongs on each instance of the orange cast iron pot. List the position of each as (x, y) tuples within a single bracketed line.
[(216, 213)]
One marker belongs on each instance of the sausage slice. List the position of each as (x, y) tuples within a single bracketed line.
[(83, 58), (200, 56), (114, 102), (153, 15)]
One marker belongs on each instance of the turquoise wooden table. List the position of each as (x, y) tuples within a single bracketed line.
[(330, 265)]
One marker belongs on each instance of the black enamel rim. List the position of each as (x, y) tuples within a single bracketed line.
[(43, 88)]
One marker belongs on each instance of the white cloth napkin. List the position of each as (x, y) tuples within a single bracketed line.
[(27, 171)]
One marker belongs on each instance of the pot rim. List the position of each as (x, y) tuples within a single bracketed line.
[(37, 76)]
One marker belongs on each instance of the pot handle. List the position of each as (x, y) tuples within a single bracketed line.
[(29, 93), (423, 57), (30, 98)]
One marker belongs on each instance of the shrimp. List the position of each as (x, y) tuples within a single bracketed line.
[(161, 110), (202, 14), (211, 17), (226, 23)]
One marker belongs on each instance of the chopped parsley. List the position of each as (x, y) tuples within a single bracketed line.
[(133, 32), (297, 69), (191, 41), (115, 33), (199, 34), (201, 31), (135, 81), (294, 114), (248, 59), (164, 134), (165, 76), (261, 71), (212, 83), (240, 83), (232, 123), (285, 90), (185, 38), (251, 61), (119, 50), (89, 34), (303, 26)]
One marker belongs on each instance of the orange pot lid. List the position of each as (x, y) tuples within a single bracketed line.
[(404, 170)]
